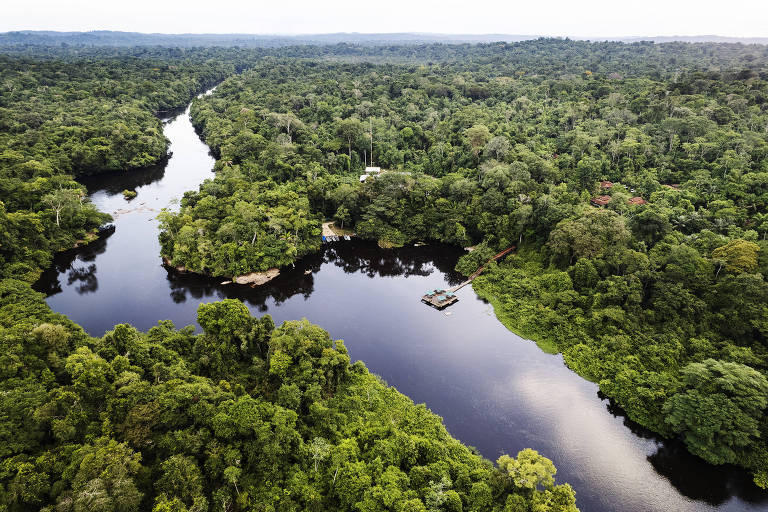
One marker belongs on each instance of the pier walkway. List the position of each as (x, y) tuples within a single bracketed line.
[(441, 299)]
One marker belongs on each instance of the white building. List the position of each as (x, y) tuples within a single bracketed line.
[(370, 171)]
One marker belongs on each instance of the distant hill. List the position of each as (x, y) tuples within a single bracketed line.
[(692, 39), (114, 38), (111, 38)]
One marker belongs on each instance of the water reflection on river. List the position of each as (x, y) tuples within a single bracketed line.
[(496, 391)]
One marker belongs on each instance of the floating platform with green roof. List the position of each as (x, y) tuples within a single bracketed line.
[(439, 299)]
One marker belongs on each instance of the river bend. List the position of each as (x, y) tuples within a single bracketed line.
[(495, 390)]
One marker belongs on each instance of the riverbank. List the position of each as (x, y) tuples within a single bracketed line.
[(331, 229), (251, 279), (494, 390), (93, 236), (641, 368)]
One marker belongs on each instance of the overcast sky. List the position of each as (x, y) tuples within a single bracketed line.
[(596, 18)]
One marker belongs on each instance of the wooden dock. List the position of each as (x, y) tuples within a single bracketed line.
[(441, 299)]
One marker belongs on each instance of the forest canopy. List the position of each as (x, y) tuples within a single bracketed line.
[(70, 116), (636, 196), (245, 415), (631, 178)]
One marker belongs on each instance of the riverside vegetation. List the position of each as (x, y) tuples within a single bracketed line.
[(66, 117), (244, 416), (661, 300), (664, 304)]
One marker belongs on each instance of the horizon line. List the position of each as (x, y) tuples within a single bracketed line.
[(356, 33)]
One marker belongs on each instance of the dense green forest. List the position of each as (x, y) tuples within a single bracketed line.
[(661, 299), (70, 116), (657, 293), (244, 416)]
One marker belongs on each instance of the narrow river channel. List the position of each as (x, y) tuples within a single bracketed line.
[(495, 390)]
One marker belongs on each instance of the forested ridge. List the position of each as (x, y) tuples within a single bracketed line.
[(657, 293), (244, 416)]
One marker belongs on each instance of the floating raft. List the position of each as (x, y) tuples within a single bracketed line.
[(439, 299)]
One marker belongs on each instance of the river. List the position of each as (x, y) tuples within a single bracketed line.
[(496, 391)]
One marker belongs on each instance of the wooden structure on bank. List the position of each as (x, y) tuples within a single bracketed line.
[(441, 299)]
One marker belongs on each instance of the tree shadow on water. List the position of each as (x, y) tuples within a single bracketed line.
[(368, 258), (698, 480), (690, 475), (114, 182), (86, 277), (352, 256), (290, 282), (64, 263)]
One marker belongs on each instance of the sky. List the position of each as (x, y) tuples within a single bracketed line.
[(574, 18)]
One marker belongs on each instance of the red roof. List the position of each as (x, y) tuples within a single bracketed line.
[(606, 184), (601, 200), (636, 200)]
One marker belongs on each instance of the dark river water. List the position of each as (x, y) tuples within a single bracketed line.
[(496, 391)]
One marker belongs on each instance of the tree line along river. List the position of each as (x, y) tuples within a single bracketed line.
[(496, 391)]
